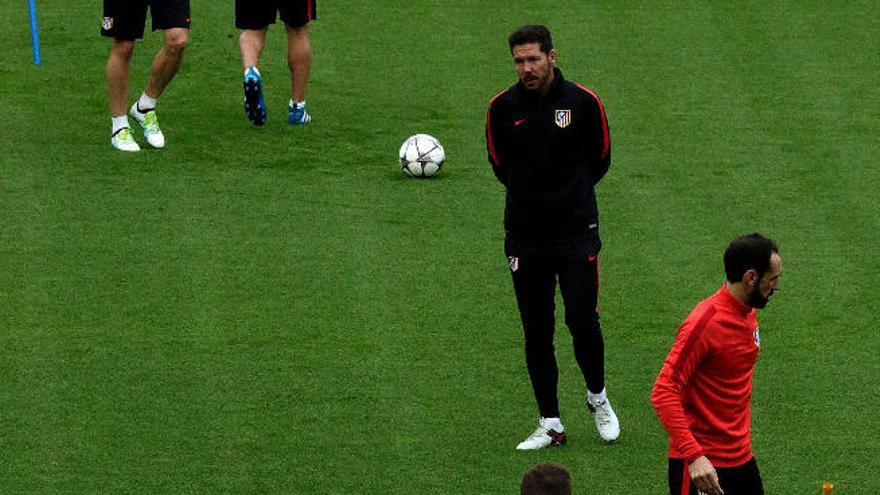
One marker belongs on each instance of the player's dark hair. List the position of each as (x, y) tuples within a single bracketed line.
[(532, 33), (546, 479), (747, 252)]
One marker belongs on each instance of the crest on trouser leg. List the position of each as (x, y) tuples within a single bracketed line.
[(107, 23), (513, 261)]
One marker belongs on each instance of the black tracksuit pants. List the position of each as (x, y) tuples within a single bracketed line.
[(536, 269)]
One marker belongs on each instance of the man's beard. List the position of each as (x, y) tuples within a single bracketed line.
[(756, 300)]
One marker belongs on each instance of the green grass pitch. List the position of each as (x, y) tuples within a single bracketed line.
[(279, 310)]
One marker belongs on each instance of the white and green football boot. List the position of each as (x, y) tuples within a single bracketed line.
[(149, 121), (124, 141)]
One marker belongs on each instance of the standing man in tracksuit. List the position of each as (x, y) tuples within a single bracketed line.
[(548, 144)]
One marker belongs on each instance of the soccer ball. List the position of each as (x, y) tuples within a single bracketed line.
[(421, 155)]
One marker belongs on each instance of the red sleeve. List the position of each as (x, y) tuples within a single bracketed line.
[(602, 138), (690, 348), (490, 138)]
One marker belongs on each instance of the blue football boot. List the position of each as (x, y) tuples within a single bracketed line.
[(254, 105), (297, 114)]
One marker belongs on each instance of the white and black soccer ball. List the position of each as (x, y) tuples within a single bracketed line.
[(421, 155)]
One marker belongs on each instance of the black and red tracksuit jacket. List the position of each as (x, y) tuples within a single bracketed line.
[(549, 153)]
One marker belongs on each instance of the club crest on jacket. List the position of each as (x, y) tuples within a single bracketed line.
[(563, 118)]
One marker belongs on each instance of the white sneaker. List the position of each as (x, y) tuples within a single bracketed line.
[(123, 140), (542, 437), (149, 121), (606, 420)]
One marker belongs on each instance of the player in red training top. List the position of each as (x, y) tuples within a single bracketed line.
[(703, 393)]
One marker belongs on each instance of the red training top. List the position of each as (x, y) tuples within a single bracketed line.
[(704, 390)]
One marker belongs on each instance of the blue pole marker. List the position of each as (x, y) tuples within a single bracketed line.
[(35, 37)]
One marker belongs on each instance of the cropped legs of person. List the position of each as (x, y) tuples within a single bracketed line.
[(124, 23)]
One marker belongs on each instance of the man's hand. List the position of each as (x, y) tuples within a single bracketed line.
[(704, 476)]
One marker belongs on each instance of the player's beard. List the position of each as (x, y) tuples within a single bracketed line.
[(756, 300)]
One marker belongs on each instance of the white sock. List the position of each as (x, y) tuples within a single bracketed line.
[(145, 103), (553, 423), (297, 104), (596, 398), (120, 123)]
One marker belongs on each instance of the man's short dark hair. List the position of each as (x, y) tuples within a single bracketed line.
[(546, 479), (747, 252), (532, 33)]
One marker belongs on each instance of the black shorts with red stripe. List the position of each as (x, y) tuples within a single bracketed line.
[(125, 19), (257, 14), (739, 480)]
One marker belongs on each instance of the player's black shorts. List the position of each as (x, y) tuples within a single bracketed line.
[(125, 19), (739, 480), (257, 14)]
